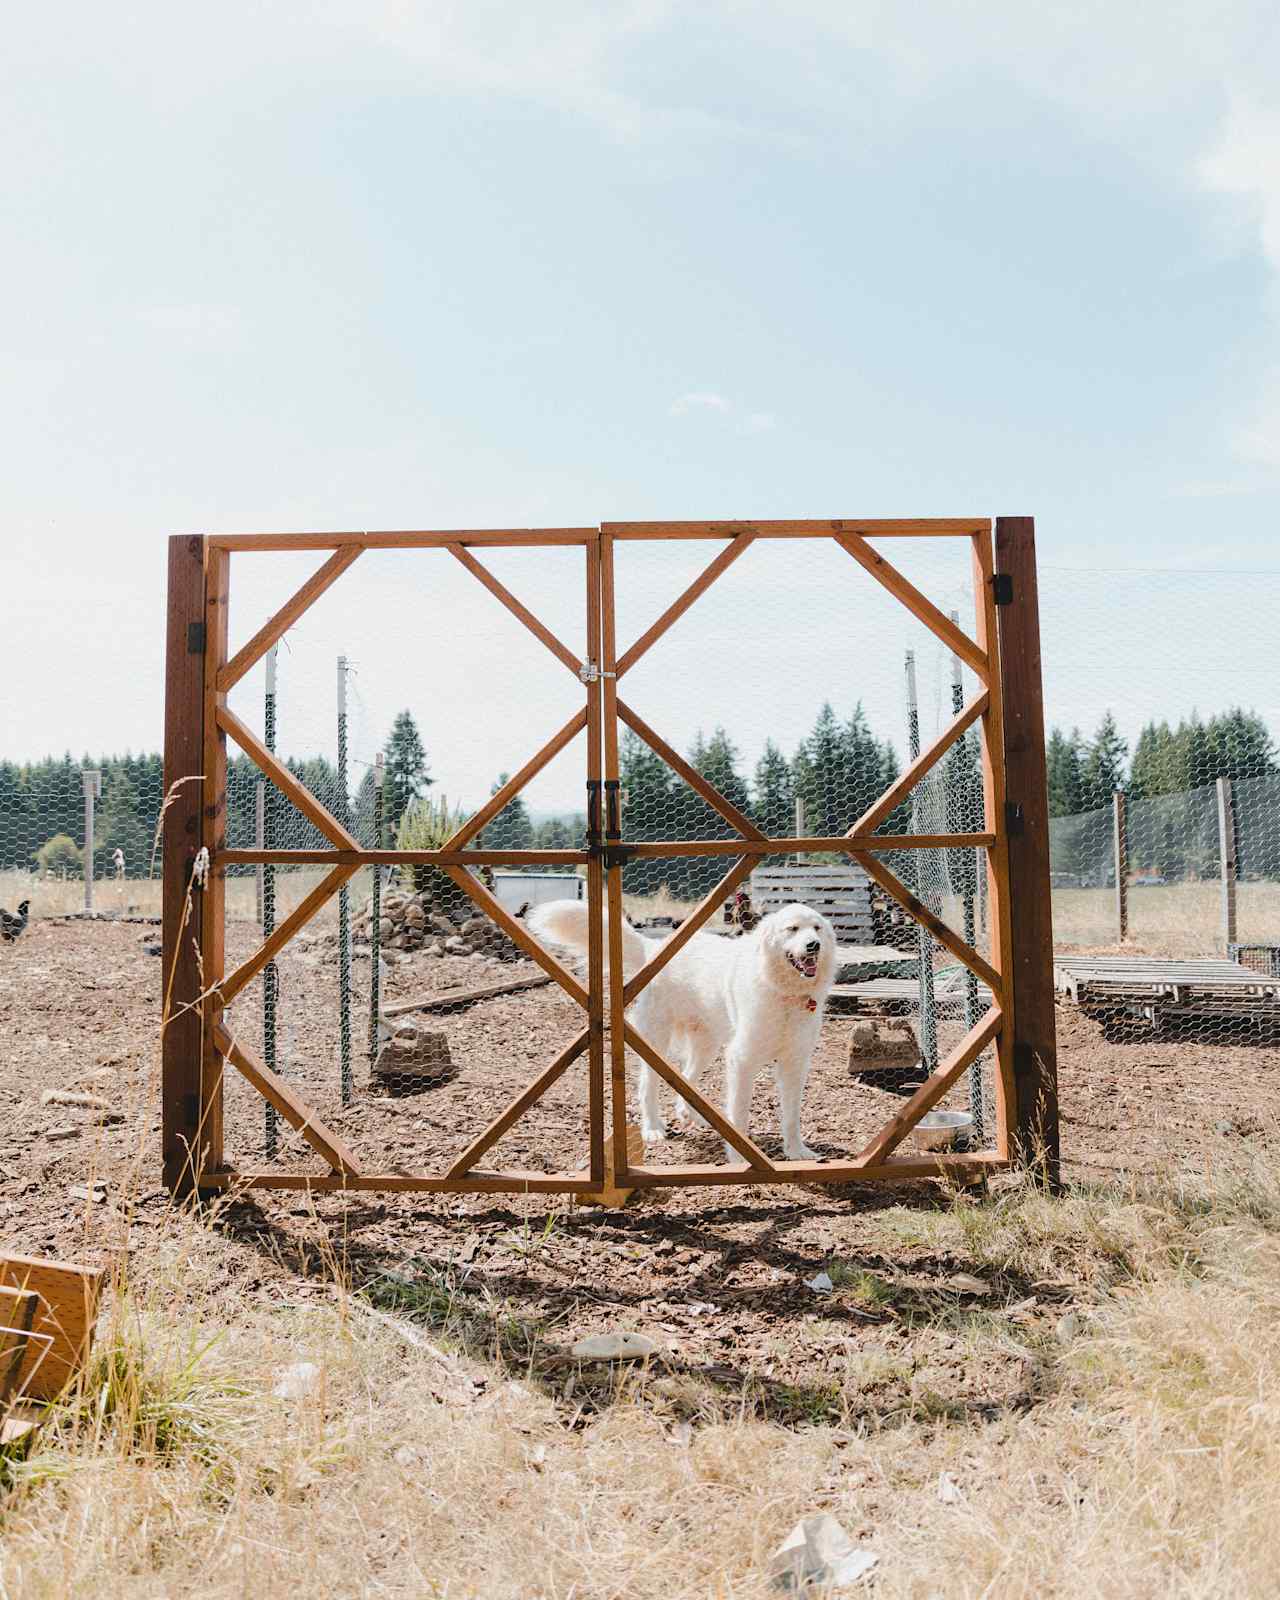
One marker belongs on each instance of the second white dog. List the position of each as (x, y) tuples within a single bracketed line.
[(758, 998)]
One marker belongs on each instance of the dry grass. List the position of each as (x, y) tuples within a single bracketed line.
[(1142, 1457), (141, 896), (1176, 919)]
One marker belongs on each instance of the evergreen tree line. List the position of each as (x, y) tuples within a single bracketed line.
[(1168, 785)]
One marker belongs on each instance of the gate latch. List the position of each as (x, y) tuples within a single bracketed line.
[(590, 672)]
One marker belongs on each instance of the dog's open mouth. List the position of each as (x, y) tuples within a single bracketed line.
[(806, 965)]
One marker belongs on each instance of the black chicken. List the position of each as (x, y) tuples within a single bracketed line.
[(11, 923)]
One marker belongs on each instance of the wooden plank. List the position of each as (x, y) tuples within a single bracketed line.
[(320, 816), (498, 802), (970, 1166), (441, 1000), (995, 817), (746, 1147), (1120, 858), (616, 1008), (298, 918), (529, 1095), (182, 835), (678, 607), (839, 842), (696, 919), (518, 934), (521, 612), (213, 918), (933, 1088), (596, 1156), (920, 606), (439, 858), (69, 1296), (1034, 1038), (407, 539), (18, 1309), (277, 626), (924, 762), (875, 528), (294, 1110), (898, 1169), (677, 763), (942, 932)]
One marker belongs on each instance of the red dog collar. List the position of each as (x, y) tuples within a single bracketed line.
[(805, 1000)]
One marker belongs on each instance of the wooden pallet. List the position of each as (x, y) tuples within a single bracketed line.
[(1152, 986), (841, 893)]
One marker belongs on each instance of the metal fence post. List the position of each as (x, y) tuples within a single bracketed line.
[(1120, 856), (1227, 860), (92, 783)]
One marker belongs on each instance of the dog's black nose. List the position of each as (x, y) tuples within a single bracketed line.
[(812, 948)]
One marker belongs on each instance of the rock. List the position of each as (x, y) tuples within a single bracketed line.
[(820, 1553), (456, 946), (477, 925), (820, 1284), (615, 1347), (385, 929), (415, 916), (62, 1133), (966, 1283), (296, 1380), (441, 924), (433, 949), (95, 1191), (949, 1490)]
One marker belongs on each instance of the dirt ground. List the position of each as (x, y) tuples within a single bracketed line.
[(719, 1276)]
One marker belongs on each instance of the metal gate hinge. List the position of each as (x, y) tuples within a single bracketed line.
[(195, 638), (1002, 588)]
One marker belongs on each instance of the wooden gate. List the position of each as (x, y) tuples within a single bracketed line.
[(199, 1046)]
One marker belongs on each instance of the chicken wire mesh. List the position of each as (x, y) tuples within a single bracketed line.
[(406, 1018), (1165, 820)]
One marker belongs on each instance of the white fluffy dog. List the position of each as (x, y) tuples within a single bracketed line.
[(758, 998)]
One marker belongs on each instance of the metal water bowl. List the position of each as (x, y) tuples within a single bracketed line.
[(939, 1130)]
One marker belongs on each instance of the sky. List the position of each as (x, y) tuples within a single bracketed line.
[(377, 265)]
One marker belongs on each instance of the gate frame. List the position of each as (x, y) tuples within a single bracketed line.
[(1004, 654)]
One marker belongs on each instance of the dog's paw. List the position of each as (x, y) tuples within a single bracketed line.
[(800, 1152), (653, 1132)]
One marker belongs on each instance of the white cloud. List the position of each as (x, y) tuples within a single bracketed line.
[(701, 400)]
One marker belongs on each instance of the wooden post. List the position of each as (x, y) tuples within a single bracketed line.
[(1120, 854), (183, 835), (213, 930), (1035, 1051), (1227, 860)]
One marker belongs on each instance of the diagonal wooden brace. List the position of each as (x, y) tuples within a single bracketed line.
[(944, 934), (520, 612), (497, 802), (302, 913), (735, 818), (750, 1151), (274, 629), (285, 781), (295, 1112), (933, 1088), (937, 622), (691, 924), (527, 1097), (518, 934), (678, 607), (924, 762)]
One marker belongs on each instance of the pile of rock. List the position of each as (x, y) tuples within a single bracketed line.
[(419, 922)]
